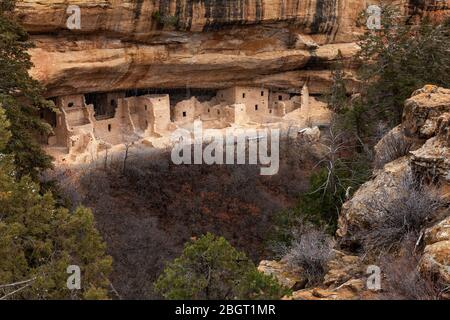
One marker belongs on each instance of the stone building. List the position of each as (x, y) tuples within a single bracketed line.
[(281, 103), (87, 124), (86, 128), (256, 100)]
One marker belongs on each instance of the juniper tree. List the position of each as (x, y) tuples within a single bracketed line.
[(210, 268), (398, 59), (39, 240), (21, 96), (337, 100)]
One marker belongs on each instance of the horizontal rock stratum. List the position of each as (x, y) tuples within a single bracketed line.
[(191, 43)]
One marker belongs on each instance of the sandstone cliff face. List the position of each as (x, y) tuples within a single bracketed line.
[(177, 44), (191, 43)]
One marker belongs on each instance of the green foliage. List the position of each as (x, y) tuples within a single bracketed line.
[(337, 100), (165, 20), (21, 97), (210, 268), (5, 134), (7, 6), (329, 188), (321, 204), (393, 62), (38, 240), (397, 60)]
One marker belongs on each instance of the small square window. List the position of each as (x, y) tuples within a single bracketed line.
[(256, 107), (262, 93), (280, 97), (70, 105), (184, 113)]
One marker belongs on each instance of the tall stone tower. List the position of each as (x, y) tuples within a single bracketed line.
[(305, 99)]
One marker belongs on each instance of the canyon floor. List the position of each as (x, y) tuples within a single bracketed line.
[(148, 212)]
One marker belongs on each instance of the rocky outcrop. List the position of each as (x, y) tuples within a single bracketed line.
[(354, 289), (342, 268), (182, 43), (436, 256), (426, 125), (286, 275), (345, 279)]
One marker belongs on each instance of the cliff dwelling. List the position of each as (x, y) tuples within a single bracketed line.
[(88, 124)]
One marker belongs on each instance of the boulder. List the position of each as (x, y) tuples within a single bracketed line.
[(287, 276), (343, 268), (423, 110), (435, 261)]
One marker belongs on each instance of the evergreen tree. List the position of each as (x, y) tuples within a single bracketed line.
[(21, 96), (399, 59), (210, 268), (39, 240), (337, 100)]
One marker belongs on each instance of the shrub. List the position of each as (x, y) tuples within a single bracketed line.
[(402, 279), (22, 97), (398, 59), (210, 268), (311, 250), (395, 216)]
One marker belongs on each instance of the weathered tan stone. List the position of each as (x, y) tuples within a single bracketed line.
[(287, 276), (351, 290), (200, 44), (343, 268), (439, 232), (426, 121), (422, 111), (123, 44), (436, 256), (356, 211)]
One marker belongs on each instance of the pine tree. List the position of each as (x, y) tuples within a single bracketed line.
[(210, 268), (21, 96)]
